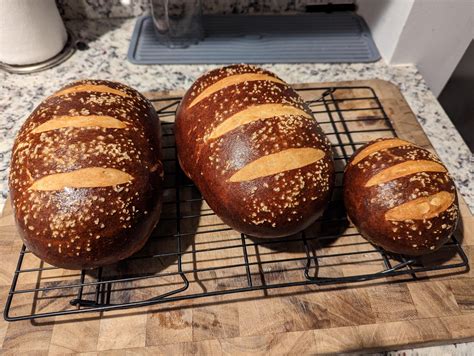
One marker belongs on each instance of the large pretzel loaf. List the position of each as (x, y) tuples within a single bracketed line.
[(255, 151)]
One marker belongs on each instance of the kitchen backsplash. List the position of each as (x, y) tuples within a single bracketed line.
[(80, 9)]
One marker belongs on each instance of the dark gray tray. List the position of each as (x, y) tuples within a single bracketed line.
[(303, 38)]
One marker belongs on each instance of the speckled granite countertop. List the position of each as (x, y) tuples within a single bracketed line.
[(108, 41)]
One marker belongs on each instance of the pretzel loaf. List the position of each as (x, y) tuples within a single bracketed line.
[(400, 197), (86, 174), (252, 146)]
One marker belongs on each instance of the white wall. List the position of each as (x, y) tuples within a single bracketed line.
[(386, 19), (433, 34)]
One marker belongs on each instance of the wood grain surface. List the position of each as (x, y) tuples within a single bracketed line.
[(379, 315)]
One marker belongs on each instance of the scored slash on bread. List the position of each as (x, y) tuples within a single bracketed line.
[(422, 208), (400, 197), (255, 151), (234, 79), (59, 122), (403, 169), (92, 177), (292, 158), (91, 87), (254, 113), (86, 175)]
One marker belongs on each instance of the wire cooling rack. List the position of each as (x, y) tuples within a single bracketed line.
[(192, 254)]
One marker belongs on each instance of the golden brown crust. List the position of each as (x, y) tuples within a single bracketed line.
[(109, 214), (280, 203), (412, 213)]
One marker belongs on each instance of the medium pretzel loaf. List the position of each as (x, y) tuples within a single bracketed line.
[(86, 175)]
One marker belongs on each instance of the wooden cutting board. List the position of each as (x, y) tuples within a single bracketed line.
[(379, 315)]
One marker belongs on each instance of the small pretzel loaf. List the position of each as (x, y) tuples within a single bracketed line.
[(400, 197)]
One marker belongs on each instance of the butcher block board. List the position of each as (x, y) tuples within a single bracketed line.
[(379, 315)]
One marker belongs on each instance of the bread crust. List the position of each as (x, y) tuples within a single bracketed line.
[(96, 222), (400, 214), (273, 205)]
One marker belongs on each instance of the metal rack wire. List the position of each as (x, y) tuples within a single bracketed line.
[(192, 254)]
